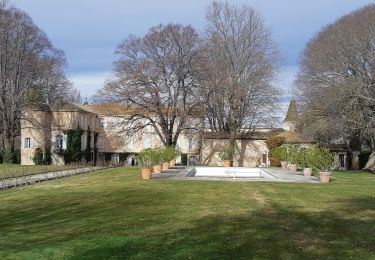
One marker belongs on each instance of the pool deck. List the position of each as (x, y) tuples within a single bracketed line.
[(180, 172)]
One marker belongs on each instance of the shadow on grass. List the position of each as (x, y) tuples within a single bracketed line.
[(48, 221), (275, 233)]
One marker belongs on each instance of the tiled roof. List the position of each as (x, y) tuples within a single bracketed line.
[(295, 137), (256, 135), (69, 107), (58, 107)]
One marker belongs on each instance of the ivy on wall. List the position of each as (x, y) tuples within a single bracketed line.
[(38, 158), (88, 146), (272, 143), (42, 158), (73, 151)]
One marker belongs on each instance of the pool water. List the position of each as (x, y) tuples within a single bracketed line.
[(230, 172)]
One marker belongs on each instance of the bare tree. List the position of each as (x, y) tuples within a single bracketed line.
[(242, 62), (336, 81), (27, 60), (156, 77)]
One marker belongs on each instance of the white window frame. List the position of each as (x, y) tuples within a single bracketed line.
[(102, 122), (116, 121), (131, 142), (146, 141), (27, 143), (59, 143), (190, 144)]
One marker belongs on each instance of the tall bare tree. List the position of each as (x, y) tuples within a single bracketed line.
[(336, 83), (156, 77), (27, 61), (242, 62)]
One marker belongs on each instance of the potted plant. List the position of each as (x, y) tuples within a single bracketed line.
[(167, 156), (145, 160), (281, 154), (157, 158), (303, 161), (321, 159), (293, 154), (227, 156), (176, 153)]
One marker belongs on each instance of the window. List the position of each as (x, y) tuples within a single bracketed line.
[(131, 143), (102, 123), (115, 158), (146, 142), (83, 121), (59, 142), (100, 143), (191, 145), (116, 121), (27, 142), (342, 161)]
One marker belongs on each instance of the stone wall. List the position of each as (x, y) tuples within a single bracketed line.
[(248, 153)]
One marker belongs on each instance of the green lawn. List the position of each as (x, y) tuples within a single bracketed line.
[(114, 213), (15, 170)]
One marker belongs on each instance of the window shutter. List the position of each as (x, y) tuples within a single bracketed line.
[(53, 141), (64, 142)]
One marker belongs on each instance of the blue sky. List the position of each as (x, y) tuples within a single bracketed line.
[(89, 30)]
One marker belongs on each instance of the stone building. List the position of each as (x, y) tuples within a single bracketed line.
[(47, 127)]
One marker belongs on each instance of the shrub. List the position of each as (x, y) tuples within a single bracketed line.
[(9, 155), (293, 153), (184, 159), (169, 153), (88, 146), (281, 153), (73, 152), (145, 158), (38, 156), (157, 155), (272, 143), (363, 159), (320, 158), (47, 156), (303, 159), (227, 154)]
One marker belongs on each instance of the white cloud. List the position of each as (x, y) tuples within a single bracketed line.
[(89, 83)]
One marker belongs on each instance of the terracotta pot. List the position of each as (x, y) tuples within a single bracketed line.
[(172, 163), (324, 176), (157, 168), (146, 173), (293, 167), (284, 165), (227, 163), (165, 165), (307, 172)]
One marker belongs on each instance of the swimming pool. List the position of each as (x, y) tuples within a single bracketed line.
[(230, 172)]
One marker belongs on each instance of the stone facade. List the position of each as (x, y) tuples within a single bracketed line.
[(46, 126), (248, 153)]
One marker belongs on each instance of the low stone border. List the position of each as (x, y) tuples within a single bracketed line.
[(38, 177)]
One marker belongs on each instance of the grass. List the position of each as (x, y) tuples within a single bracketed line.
[(113, 213), (16, 170)]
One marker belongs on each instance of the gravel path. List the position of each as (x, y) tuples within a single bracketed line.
[(35, 178)]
